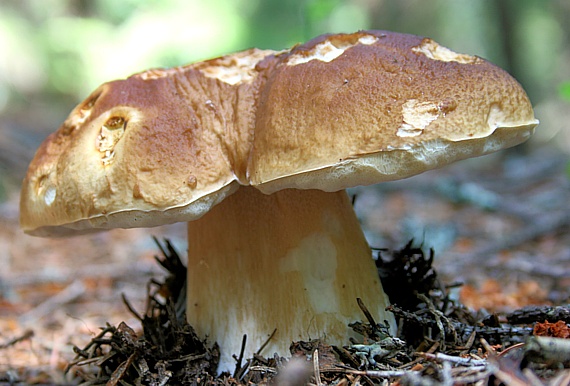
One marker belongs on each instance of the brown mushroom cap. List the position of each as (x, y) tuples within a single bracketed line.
[(342, 110), (162, 146), (358, 109)]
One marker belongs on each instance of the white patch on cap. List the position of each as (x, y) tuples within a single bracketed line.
[(236, 68), (497, 117), (328, 51), (49, 196), (416, 117), (157, 73), (232, 69), (110, 134), (44, 187), (436, 52)]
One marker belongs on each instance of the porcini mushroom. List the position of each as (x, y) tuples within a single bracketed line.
[(254, 151)]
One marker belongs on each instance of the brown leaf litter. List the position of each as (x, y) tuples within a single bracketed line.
[(439, 341)]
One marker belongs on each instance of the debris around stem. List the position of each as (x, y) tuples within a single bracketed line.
[(439, 342)]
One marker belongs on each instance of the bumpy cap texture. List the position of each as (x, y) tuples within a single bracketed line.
[(346, 110), (164, 146)]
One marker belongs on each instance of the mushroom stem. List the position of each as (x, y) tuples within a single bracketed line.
[(294, 261)]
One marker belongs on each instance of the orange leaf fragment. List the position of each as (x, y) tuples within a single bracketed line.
[(555, 330)]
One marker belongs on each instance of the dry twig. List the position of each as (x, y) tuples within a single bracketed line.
[(72, 292)]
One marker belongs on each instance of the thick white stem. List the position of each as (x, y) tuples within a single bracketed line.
[(294, 261)]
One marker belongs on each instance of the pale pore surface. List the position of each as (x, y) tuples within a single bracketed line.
[(397, 163), (294, 261)]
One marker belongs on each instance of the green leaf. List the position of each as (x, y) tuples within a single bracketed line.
[(564, 91)]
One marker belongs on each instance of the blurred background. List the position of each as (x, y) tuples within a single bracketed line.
[(53, 53)]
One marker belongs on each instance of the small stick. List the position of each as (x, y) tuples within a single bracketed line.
[(470, 341), (266, 342), (474, 378), (440, 357), (69, 293), (28, 334), (131, 308), (447, 378), (373, 373), (240, 358), (365, 311), (266, 369), (316, 369), (547, 348), (411, 364)]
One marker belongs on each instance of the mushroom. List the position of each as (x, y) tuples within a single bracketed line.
[(255, 150)]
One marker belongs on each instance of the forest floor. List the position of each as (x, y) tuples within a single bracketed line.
[(499, 226)]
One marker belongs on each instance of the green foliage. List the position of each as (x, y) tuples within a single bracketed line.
[(564, 91)]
